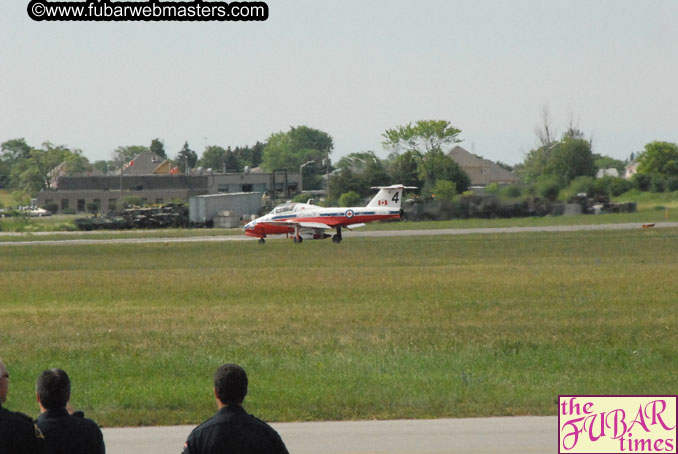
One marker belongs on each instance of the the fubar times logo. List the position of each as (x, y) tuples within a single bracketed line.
[(617, 424)]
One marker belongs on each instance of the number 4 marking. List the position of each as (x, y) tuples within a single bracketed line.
[(395, 197)]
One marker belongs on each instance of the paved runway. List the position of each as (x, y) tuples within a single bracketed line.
[(346, 234), (506, 435)]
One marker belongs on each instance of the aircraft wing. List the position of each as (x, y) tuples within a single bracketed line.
[(306, 225), (354, 226)]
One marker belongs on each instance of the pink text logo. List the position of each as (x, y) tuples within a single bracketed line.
[(617, 424)]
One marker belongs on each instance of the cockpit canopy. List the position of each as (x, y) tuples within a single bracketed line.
[(284, 208), (291, 206)]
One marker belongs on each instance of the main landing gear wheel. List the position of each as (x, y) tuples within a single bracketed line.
[(262, 241), (337, 238), (298, 239)]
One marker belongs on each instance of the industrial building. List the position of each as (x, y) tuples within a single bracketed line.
[(78, 192)]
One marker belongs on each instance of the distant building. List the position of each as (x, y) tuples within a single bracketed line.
[(147, 163), (62, 170), (481, 171), (611, 172), (631, 169), (77, 192)]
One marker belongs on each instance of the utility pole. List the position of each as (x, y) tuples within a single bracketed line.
[(121, 169), (301, 175), (327, 177)]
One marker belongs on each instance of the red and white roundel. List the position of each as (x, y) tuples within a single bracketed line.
[(349, 214)]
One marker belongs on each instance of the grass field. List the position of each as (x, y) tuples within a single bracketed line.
[(374, 328)]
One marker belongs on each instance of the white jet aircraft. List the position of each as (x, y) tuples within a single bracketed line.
[(304, 220)]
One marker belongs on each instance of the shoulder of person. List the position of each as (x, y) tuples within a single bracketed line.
[(204, 425), (259, 421), (79, 419), (16, 417), (21, 422)]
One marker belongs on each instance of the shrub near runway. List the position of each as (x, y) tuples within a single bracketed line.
[(372, 328)]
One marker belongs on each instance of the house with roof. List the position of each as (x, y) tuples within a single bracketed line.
[(148, 163), (481, 171), (610, 172), (631, 169)]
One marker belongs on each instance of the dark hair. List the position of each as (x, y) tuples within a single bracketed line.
[(230, 383), (54, 389)]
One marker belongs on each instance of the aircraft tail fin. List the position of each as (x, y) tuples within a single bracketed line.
[(389, 196)]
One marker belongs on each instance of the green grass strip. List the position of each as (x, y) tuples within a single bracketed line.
[(419, 327)]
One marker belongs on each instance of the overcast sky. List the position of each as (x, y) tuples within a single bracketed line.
[(351, 68)]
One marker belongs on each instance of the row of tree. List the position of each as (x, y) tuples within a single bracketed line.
[(560, 161), (417, 157)]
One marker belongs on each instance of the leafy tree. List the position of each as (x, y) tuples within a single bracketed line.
[(345, 181), (128, 153), (349, 199), (442, 167), (571, 158), (12, 152), (289, 150), (101, 165), (76, 163), (374, 172), (15, 149), (404, 169), (231, 163), (512, 191), (548, 187), (425, 140), (213, 158), (607, 162), (355, 161), (445, 190), (5, 170), (657, 183), (561, 161), (33, 174), (21, 198), (672, 184), (492, 188), (581, 185), (187, 158), (250, 156), (24, 175), (659, 158), (534, 164), (642, 181), (158, 148), (618, 186), (368, 170)]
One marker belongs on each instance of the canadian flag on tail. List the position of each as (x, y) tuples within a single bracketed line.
[(129, 164)]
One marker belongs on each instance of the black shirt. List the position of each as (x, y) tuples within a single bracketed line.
[(70, 434), (232, 430), (19, 434)]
